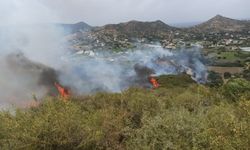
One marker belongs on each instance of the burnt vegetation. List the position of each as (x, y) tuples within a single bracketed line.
[(180, 114)]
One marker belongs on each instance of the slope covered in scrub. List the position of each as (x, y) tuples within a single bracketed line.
[(170, 117)]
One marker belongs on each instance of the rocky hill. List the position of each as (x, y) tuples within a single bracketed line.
[(125, 35), (77, 27), (137, 29), (221, 24)]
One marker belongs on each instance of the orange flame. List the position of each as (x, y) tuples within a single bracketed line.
[(63, 91), (154, 82)]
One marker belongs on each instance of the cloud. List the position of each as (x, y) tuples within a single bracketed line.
[(25, 12)]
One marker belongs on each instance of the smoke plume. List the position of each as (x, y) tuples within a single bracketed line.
[(114, 72), (33, 56), (31, 47)]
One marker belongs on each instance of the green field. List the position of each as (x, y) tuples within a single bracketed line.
[(227, 58), (228, 55)]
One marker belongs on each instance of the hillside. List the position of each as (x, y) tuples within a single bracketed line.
[(159, 29), (221, 24), (137, 29), (179, 115), (125, 35), (77, 27)]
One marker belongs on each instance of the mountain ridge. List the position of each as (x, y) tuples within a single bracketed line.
[(221, 24), (76, 27), (137, 29), (123, 35), (216, 23)]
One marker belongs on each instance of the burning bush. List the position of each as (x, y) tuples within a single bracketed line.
[(171, 117)]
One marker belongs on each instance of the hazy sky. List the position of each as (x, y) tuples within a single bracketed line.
[(99, 12)]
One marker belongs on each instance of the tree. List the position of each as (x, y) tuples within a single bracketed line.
[(246, 74), (214, 79), (227, 75)]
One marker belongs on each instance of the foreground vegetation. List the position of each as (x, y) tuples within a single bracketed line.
[(179, 115)]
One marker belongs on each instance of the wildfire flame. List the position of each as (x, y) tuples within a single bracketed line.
[(154, 82), (62, 91)]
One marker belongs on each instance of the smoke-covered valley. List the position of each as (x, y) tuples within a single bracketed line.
[(34, 55), (139, 83), (113, 72), (22, 78)]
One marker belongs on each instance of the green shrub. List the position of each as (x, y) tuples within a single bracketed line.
[(236, 88), (246, 74), (178, 115), (216, 128), (223, 129), (173, 129), (214, 79), (227, 75), (172, 81)]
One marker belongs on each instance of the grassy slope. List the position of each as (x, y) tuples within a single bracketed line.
[(179, 115)]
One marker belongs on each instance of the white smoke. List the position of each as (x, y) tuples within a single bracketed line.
[(114, 72), (33, 56), (26, 27)]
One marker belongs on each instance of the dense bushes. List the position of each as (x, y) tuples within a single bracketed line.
[(235, 88), (171, 117), (214, 79), (246, 74)]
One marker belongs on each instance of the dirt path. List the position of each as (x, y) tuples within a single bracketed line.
[(222, 70)]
